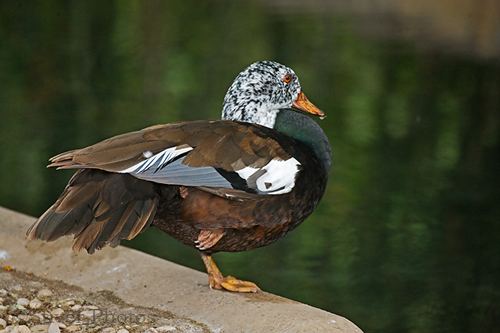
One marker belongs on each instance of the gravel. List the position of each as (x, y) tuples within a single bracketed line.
[(32, 305)]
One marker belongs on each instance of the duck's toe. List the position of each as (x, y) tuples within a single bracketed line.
[(231, 283)]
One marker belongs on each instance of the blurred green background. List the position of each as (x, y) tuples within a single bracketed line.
[(407, 238)]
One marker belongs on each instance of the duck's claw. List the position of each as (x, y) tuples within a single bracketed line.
[(208, 238)]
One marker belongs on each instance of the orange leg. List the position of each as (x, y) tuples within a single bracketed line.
[(217, 281)]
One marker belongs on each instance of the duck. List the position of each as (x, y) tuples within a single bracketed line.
[(226, 185)]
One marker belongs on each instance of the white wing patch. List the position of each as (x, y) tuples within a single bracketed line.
[(158, 160), (276, 177)]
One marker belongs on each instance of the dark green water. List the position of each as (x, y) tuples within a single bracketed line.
[(407, 238)]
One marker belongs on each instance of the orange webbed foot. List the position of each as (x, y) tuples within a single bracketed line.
[(217, 281)]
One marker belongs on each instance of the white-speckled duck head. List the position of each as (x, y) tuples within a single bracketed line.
[(261, 90)]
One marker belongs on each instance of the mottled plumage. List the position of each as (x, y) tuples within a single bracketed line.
[(259, 92)]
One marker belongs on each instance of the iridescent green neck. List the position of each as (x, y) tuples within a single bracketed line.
[(302, 128)]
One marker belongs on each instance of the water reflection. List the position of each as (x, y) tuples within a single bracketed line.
[(407, 236)]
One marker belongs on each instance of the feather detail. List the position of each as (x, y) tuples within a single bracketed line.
[(98, 208)]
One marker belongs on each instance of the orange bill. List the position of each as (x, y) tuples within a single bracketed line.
[(303, 104)]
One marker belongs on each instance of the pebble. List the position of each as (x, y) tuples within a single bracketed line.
[(18, 329), (108, 330), (122, 330), (76, 307), (90, 313), (163, 329), (66, 304), (72, 328), (3, 323), (79, 301), (151, 330), (17, 287), (34, 319), (3, 309), (24, 318), (20, 308), (54, 328), (3, 292), (39, 317), (35, 304), (36, 284), (23, 301), (39, 329), (14, 309), (90, 307), (44, 293), (12, 319), (57, 312), (23, 329)]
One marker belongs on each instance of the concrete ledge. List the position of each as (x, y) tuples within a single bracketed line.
[(144, 281)]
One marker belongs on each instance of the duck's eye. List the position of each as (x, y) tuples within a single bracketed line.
[(287, 78)]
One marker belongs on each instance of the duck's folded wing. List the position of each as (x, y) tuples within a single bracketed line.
[(224, 157)]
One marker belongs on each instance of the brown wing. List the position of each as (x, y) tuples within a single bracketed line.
[(210, 151), (221, 144)]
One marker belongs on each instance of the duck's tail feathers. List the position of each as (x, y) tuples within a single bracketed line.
[(99, 208)]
